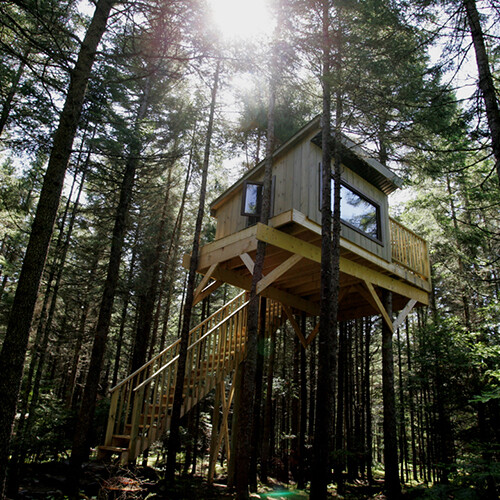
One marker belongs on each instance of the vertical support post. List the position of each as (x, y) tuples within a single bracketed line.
[(231, 469), (112, 417), (136, 416), (215, 432)]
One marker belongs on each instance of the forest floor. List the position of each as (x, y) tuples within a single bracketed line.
[(50, 481)]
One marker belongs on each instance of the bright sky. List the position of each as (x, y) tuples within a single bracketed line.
[(242, 19)]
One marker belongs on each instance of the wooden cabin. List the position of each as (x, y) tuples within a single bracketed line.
[(376, 251)]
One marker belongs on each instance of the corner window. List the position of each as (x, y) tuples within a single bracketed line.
[(251, 202), (358, 212)]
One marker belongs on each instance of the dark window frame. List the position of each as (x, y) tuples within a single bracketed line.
[(379, 238), (254, 218), (378, 220), (260, 184)]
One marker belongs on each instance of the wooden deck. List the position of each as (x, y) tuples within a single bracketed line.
[(292, 267)]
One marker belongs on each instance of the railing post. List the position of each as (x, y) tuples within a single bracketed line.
[(136, 416), (111, 418)]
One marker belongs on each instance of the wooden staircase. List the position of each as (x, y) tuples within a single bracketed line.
[(141, 404)]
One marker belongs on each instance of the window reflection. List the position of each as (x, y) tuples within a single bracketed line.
[(252, 199), (358, 212)]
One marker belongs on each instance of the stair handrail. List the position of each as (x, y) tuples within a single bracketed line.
[(173, 344), (145, 365), (191, 346)]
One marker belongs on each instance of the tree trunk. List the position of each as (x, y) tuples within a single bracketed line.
[(245, 419), (486, 83), (268, 412), (338, 462), (323, 435), (7, 106), (123, 315), (170, 260), (150, 266), (392, 484), (80, 449), (301, 479), (368, 404), (173, 442), (16, 337), (257, 421), (403, 445)]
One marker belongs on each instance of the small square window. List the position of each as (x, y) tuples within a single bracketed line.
[(251, 202)]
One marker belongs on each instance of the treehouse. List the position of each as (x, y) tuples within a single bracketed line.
[(376, 253)]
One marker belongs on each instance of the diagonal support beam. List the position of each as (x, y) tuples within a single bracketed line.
[(403, 314), (288, 242), (248, 261), (313, 334), (222, 433), (207, 291), (277, 272), (295, 326), (271, 292), (205, 279), (374, 299)]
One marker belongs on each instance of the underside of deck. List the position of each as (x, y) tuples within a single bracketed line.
[(292, 269)]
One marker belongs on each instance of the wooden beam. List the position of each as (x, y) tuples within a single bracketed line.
[(277, 272), (283, 240), (245, 282), (208, 291), (223, 431), (377, 303), (295, 326), (403, 314), (214, 438), (425, 284), (205, 279), (313, 334), (248, 261), (312, 252), (224, 249)]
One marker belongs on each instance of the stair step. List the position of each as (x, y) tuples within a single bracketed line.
[(120, 440), (121, 436), (113, 449)]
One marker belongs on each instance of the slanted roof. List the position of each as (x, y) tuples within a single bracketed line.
[(353, 156), (359, 161)]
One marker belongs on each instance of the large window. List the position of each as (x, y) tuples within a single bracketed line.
[(358, 212)]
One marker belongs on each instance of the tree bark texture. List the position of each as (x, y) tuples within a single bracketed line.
[(245, 419), (173, 442), (486, 83), (392, 484), (323, 432), (21, 315), (80, 449)]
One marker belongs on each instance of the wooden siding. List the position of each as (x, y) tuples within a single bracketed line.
[(297, 186)]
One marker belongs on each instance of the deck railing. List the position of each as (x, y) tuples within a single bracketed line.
[(409, 249)]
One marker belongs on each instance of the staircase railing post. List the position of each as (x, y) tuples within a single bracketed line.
[(136, 416), (111, 418)]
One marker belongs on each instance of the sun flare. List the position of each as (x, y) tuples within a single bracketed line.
[(242, 19)]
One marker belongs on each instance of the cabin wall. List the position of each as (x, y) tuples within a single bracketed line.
[(297, 186)]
